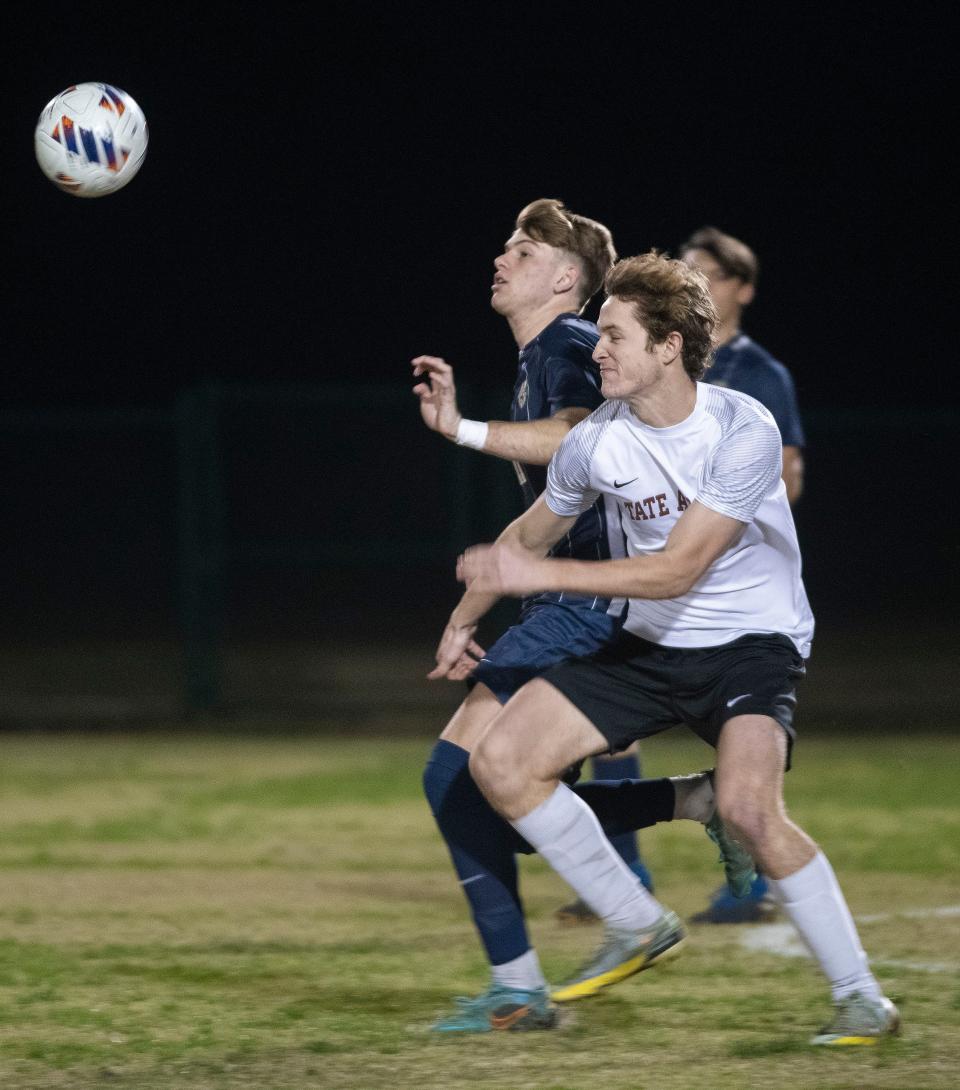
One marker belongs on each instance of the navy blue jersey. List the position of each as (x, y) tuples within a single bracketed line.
[(742, 364), (557, 372)]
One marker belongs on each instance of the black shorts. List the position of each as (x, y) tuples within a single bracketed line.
[(633, 688)]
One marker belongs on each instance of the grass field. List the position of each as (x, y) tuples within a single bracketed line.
[(180, 911)]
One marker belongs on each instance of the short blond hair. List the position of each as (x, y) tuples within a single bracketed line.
[(668, 296), (549, 221)]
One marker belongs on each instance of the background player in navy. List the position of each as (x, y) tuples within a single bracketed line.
[(552, 264), (739, 363)]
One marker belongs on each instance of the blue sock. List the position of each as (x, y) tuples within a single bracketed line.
[(621, 768), (482, 847)]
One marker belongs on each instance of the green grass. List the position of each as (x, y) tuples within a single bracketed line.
[(185, 912)]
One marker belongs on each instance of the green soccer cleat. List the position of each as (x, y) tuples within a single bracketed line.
[(737, 865), (500, 1008), (621, 954), (859, 1020)]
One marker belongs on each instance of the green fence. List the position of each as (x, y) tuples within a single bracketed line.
[(256, 510)]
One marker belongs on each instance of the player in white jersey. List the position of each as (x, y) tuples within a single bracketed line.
[(715, 637), (724, 454)]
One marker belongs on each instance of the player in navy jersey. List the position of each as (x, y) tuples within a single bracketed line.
[(739, 363), (552, 264)]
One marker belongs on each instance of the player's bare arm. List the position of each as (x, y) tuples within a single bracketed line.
[(530, 441), (532, 535), (699, 537), (793, 472)]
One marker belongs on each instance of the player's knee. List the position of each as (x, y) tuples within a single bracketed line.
[(494, 764), (745, 818), (486, 763)]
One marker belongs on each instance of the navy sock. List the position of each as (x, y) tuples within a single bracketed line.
[(625, 767), (482, 848)]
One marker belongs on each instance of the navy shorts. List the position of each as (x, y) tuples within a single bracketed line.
[(634, 688), (547, 633)]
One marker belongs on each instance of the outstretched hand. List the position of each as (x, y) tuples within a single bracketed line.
[(457, 655), (501, 569), (438, 395)]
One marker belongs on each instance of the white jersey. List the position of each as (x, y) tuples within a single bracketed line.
[(727, 455)]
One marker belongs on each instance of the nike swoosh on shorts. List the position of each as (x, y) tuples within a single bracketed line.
[(737, 699)]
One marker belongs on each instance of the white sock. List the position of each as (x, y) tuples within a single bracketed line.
[(565, 831), (812, 898), (523, 972)]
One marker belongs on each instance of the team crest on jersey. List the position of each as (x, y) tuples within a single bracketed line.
[(522, 395)]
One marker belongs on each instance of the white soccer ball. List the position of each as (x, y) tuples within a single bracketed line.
[(91, 139)]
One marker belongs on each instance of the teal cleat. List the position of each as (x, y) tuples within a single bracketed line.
[(500, 1008), (737, 865)]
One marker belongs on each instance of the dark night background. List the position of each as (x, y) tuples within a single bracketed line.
[(323, 195)]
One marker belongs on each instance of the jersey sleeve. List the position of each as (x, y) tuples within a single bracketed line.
[(772, 385), (569, 492), (570, 385), (743, 469)]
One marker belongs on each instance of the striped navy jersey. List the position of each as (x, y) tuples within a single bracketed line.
[(557, 372)]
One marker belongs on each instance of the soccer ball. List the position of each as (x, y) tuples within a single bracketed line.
[(91, 139)]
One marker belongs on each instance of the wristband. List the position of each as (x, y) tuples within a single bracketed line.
[(472, 433)]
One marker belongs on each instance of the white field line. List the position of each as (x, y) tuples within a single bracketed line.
[(782, 939)]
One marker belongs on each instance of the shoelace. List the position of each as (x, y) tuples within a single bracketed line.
[(611, 942)]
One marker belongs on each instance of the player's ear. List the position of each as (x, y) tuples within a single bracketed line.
[(745, 294), (672, 346), (566, 279)]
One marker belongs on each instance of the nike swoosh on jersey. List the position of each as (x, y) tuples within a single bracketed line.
[(737, 699), (623, 484)]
